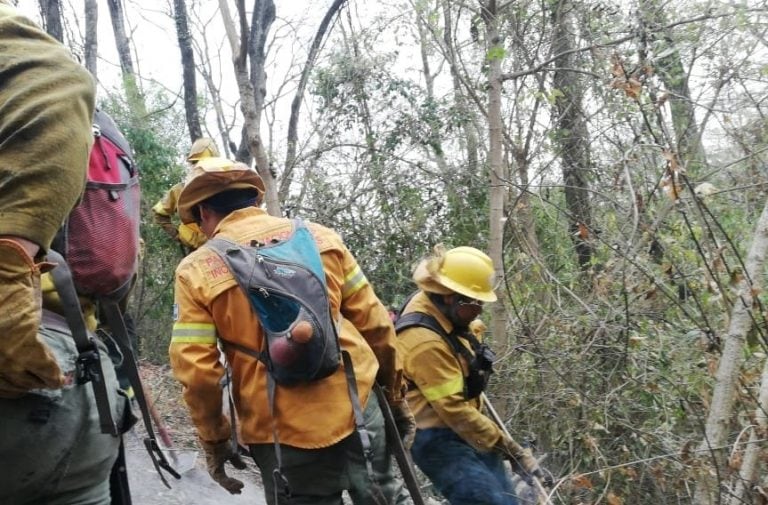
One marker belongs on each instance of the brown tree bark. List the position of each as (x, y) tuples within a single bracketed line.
[(293, 122), (497, 169), (91, 36), (123, 44), (50, 10), (188, 70), (472, 143), (252, 96), (572, 136), (668, 65), (719, 418)]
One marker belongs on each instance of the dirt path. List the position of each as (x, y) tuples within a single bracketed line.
[(195, 487)]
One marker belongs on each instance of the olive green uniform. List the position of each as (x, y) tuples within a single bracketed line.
[(53, 451), (46, 110)]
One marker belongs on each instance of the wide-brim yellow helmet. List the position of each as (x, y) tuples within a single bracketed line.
[(203, 147), (463, 270), (211, 176)]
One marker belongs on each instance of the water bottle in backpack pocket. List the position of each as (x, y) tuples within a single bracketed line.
[(285, 283)]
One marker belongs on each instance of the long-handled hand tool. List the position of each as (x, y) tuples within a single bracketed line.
[(182, 461), (500, 423), (401, 454)]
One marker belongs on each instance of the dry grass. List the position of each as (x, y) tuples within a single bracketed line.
[(164, 392)]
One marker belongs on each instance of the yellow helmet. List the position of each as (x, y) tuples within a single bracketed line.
[(203, 147), (463, 270), (211, 176)]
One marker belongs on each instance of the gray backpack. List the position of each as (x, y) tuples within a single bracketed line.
[(285, 283)]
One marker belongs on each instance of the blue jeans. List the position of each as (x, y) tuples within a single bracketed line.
[(463, 475)]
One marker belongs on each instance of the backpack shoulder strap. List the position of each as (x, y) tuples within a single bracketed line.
[(422, 320), (117, 327), (88, 364)]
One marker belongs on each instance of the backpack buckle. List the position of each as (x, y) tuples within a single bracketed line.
[(88, 365)]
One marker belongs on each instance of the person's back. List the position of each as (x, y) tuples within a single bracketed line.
[(314, 420), (53, 451)]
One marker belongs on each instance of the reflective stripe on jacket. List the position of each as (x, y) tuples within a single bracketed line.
[(438, 373), (211, 304)]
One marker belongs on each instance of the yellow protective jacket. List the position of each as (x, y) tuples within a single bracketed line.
[(46, 117), (436, 381), (210, 304), (189, 235)]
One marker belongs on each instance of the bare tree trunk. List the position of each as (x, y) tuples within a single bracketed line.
[(293, 122), (497, 170), (470, 130), (726, 378), (50, 11), (91, 36), (435, 141), (750, 465), (672, 72), (572, 136), (123, 44), (188, 70), (248, 95)]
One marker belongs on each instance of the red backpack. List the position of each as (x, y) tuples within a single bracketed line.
[(100, 238)]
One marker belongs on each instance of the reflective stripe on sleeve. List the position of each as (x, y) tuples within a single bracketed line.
[(353, 282), (193, 333), (455, 385)]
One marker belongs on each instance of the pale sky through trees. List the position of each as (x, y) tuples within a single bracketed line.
[(156, 53)]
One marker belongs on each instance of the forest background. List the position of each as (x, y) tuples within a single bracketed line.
[(611, 158)]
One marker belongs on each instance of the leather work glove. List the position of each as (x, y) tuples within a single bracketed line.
[(404, 421), (25, 361), (217, 454), (522, 458)]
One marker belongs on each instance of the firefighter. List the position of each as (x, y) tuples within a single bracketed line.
[(46, 105), (446, 368), (52, 447), (188, 235), (320, 449)]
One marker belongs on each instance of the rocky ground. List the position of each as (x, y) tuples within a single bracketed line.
[(195, 487)]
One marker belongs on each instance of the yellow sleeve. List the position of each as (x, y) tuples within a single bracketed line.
[(191, 235), (437, 373), (167, 205), (361, 306), (194, 358)]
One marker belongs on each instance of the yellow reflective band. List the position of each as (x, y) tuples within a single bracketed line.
[(193, 333), (456, 385), (353, 282), (193, 340)]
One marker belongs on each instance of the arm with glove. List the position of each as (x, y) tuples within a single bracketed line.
[(522, 459), (47, 101), (25, 361), (162, 212), (194, 358), (218, 454)]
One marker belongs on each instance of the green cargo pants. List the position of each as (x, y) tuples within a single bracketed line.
[(53, 451), (319, 476)]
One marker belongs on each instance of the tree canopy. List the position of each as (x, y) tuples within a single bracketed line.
[(609, 157)]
